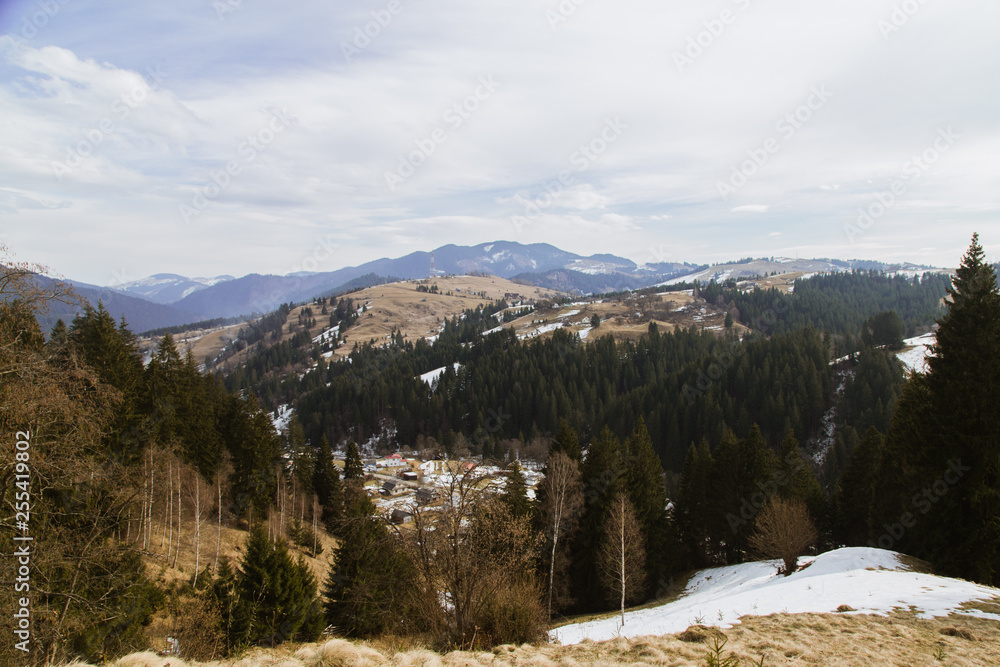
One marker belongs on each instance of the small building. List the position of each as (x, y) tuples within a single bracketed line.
[(410, 476), (425, 496), (390, 488), (392, 461), (399, 516)]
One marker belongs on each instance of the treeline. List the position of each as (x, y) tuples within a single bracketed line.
[(930, 485), (121, 460), (686, 385), (838, 303)]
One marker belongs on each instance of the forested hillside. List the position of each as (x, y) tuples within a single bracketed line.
[(661, 454)]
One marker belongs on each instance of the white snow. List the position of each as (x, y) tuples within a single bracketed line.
[(585, 332), (915, 358), (431, 377), (281, 417), (872, 581), (568, 314), (545, 328)]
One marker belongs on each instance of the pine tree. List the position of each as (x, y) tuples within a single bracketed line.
[(370, 587), (945, 431), (856, 490), (694, 505), (565, 440), (354, 469), (327, 486), (648, 496), (796, 478), (515, 492), (743, 482), (276, 595)]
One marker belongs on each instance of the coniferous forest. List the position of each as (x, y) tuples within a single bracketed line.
[(659, 455)]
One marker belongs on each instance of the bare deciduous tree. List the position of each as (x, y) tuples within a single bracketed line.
[(784, 530), (622, 556), (469, 552), (563, 498)]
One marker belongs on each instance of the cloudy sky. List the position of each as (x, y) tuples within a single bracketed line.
[(238, 136)]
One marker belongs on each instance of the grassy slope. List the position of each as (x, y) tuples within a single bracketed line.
[(805, 639)]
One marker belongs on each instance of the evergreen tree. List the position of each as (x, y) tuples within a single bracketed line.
[(276, 595), (856, 490), (515, 492), (945, 432), (326, 484), (354, 469), (565, 440), (648, 496), (694, 505), (370, 588), (743, 482), (796, 478)]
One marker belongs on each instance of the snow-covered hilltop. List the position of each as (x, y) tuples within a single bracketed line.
[(869, 581)]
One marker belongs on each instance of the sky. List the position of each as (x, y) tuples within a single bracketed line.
[(208, 137)]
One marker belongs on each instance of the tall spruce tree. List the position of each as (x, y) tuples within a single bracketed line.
[(515, 492), (945, 435), (694, 505), (370, 588), (855, 492), (743, 482), (644, 484), (354, 469), (327, 487)]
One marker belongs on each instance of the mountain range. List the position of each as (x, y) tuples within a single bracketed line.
[(165, 300)]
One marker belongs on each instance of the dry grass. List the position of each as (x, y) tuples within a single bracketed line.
[(803, 639)]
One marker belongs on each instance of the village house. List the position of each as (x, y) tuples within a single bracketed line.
[(399, 516), (391, 488)]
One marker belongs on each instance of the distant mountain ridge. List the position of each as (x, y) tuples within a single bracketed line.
[(168, 287), (166, 299)]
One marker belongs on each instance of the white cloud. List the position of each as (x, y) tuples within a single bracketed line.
[(543, 123)]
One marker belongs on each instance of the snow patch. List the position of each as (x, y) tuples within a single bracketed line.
[(432, 377), (915, 357), (872, 581)]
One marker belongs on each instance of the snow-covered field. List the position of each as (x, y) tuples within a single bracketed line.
[(431, 377), (915, 359), (872, 581)]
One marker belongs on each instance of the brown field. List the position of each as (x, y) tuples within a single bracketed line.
[(782, 639), (420, 315), (782, 282)]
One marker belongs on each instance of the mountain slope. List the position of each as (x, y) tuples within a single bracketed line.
[(167, 287), (140, 314), (870, 581)]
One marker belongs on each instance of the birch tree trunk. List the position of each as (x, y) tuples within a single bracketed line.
[(169, 528), (218, 539), (197, 525)]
